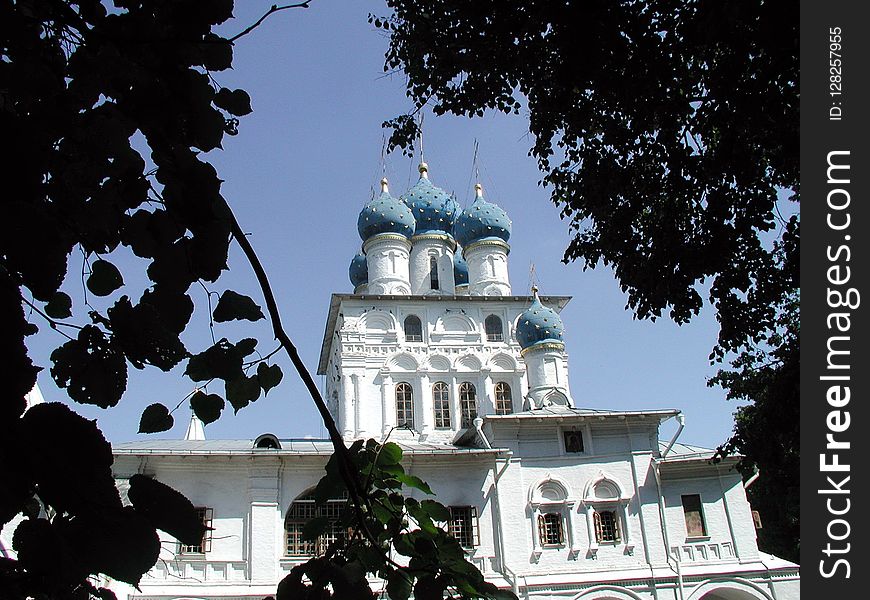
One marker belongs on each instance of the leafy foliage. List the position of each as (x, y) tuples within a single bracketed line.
[(434, 565), (81, 80), (666, 131)]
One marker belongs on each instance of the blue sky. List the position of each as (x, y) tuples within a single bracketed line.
[(304, 164)]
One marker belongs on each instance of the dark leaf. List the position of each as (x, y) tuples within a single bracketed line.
[(143, 336), (72, 462), (241, 391), (268, 376), (104, 279), (45, 552), (235, 102), (246, 346), (166, 509), (155, 418), (437, 511), (414, 482), (313, 528), (222, 361), (91, 368), (399, 585), (233, 306), (390, 454), (207, 407), (119, 542), (59, 307)]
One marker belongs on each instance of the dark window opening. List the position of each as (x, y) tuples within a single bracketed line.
[(606, 527), (441, 404), (433, 273), (494, 329), (573, 441), (303, 510), (503, 400), (404, 406), (695, 526), (413, 329), (550, 529), (467, 404)]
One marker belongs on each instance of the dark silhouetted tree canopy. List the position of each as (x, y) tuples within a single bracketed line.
[(666, 131), (85, 86)]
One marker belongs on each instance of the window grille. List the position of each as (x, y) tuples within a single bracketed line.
[(468, 404), (494, 329), (607, 527), (441, 405), (550, 529), (503, 400), (413, 329), (206, 515), (464, 525), (304, 510), (694, 514), (404, 406)]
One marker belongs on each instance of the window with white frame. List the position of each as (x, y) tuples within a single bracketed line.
[(551, 506), (441, 405), (206, 516), (504, 404), (303, 510), (606, 513), (404, 406), (467, 404), (464, 526)]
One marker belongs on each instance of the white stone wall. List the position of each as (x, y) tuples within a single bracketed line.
[(387, 258), (424, 249), (488, 269)]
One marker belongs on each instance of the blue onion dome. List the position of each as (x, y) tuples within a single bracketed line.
[(539, 325), (460, 269), (385, 214), (434, 209), (481, 220), (359, 270)]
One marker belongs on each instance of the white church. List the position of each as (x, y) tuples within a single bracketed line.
[(433, 349)]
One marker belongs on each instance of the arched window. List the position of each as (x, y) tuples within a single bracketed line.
[(494, 330), (301, 512), (404, 406), (467, 404), (504, 404), (433, 273), (413, 329), (441, 405)]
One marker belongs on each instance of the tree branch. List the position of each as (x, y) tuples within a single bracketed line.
[(275, 8)]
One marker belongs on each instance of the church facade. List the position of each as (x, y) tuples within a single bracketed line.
[(435, 352)]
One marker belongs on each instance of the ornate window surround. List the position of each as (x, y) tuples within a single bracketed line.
[(601, 493), (552, 495)]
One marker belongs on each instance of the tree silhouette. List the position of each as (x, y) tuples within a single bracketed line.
[(667, 132), (79, 82)]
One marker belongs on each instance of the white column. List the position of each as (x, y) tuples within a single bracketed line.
[(456, 413), (265, 531), (357, 406), (346, 407), (486, 406), (389, 399), (427, 414)]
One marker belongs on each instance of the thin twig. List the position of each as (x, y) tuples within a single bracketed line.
[(275, 8), (51, 322)]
